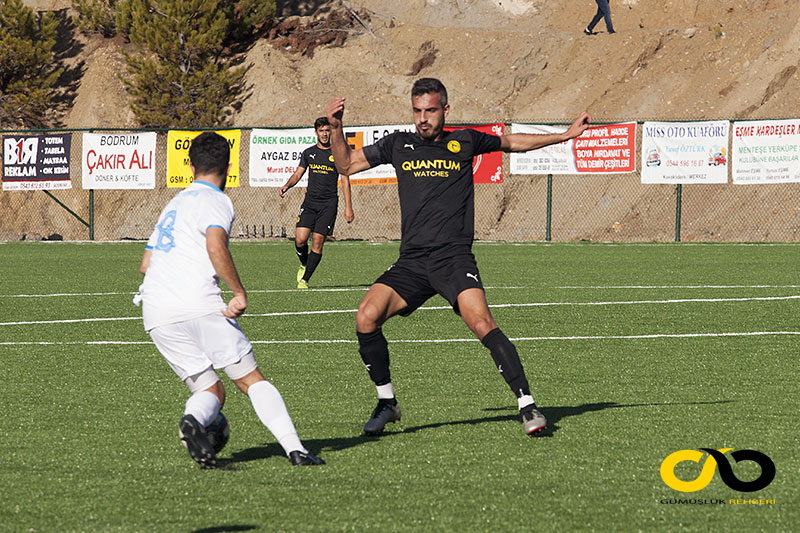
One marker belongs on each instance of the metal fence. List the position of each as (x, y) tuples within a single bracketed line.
[(616, 207)]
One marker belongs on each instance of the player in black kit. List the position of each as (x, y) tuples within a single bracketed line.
[(318, 211), (434, 181)]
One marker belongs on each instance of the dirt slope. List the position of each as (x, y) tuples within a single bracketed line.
[(514, 60)]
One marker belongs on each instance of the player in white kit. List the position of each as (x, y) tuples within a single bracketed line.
[(185, 315)]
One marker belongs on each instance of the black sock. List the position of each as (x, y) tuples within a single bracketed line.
[(311, 265), (374, 352), (507, 360), (302, 253)]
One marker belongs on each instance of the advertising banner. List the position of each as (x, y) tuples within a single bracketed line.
[(486, 168), (607, 149), (766, 151), (36, 162), (685, 152), (179, 175), (274, 155), (359, 137), (119, 161)]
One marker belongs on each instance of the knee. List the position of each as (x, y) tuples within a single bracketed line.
[(481, 326), (366, 319)]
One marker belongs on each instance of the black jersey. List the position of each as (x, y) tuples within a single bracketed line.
[(434, 180), (322, 174)]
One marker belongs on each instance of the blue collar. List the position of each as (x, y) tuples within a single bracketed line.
[(207, 184)]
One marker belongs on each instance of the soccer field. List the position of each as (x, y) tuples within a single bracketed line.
[(634, 352)]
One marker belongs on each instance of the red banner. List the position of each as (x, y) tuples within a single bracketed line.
[(606, 149), (486, 168)]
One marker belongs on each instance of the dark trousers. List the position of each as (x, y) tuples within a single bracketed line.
[(603, 11)]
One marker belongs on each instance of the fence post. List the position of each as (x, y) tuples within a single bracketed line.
[(91, 214), (678, 213), (548, 236)]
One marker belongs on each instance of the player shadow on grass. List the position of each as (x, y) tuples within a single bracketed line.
[(553, 414), (224, 529), (273, 449)]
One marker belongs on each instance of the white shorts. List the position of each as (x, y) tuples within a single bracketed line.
[(192, 346)]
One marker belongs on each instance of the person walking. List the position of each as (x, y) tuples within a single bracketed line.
[(603, 12)]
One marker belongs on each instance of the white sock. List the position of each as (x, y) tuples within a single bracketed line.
[(525, 401), (385, 392), (271, 410), (203, 406)]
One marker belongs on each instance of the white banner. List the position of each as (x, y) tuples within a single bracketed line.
[(361, 136), (685, 152), (119, 160), (766, 151), (553, 159), (274, 155)]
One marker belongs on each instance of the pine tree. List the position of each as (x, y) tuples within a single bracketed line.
[(97, 16), (27, 72), (179, 78)]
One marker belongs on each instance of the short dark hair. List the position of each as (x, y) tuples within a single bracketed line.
[(210, 154), (321, 121), (428, 86)]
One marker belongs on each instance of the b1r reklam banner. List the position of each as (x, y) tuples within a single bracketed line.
[(36, 162), (119, 161), (685, 152)]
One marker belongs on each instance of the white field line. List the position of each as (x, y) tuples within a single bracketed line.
[(437, 308), (488, 287), (586, 287), (421, 341), (255, 291)]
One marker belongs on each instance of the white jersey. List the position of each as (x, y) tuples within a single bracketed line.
[(181, 283)]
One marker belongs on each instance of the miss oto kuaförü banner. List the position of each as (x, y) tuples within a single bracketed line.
[(685, 152)]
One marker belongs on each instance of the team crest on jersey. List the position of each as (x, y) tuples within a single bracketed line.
[(331, 158), (454, 146)]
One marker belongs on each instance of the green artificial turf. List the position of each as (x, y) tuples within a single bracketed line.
[(90, 411)]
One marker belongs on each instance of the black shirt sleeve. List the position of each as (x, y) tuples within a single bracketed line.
[(303, 159), (381, 152), (483, 142)]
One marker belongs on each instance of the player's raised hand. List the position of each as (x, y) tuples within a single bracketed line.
[(579, 125), (335, 111), (236, 306)]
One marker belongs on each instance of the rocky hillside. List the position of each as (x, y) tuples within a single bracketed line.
[(512, 60)]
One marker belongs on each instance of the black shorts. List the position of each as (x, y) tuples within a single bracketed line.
[(447, 271), (320, 217)]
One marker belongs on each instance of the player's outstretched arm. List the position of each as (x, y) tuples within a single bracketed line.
[(347, 161), (292, 181), (523, 142), (220, 255), (348, 204)]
